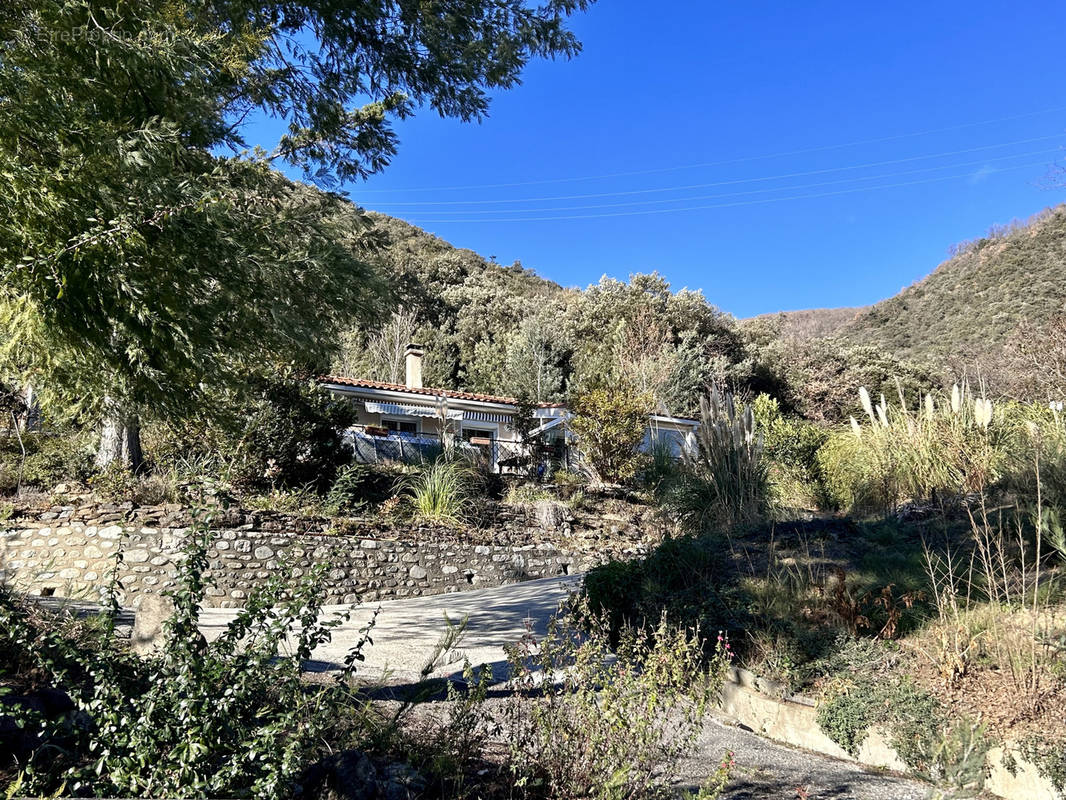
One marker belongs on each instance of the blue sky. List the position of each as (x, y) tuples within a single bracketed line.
[(831, 152)]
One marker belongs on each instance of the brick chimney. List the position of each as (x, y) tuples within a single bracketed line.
[(413, 357)]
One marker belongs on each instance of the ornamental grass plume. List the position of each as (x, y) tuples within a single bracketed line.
[(952, 448)]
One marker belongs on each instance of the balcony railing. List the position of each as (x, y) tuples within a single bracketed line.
[(372, 446)]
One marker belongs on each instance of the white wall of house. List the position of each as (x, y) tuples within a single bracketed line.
[(430, 425)]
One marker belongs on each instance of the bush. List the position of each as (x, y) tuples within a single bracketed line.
[(63, 456), (228, 719), (687, 578), (568, 483), (610, 425), (1038, 442), (295, 436), (661, 470), (584, 724), (850, 479), (791, 446), (358, 485), (287, 433), (944, 449), (916, 723), (439, 492), (116, 483)]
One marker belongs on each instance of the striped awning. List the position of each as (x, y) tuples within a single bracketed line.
[(485, 416), (408, 410)]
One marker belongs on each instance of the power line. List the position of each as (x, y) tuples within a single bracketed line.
[(725, 183), (724, 162), (756, 191), (720, 205)]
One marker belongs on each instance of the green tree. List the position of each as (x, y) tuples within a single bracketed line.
[(145, 254), (610, 425)]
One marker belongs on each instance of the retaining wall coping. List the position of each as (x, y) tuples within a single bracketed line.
[(792, 719)]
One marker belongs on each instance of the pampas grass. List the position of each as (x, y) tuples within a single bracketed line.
[(946, 447), (726, 481), (439, 492)]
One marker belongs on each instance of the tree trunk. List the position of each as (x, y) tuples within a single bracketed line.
[(120, 439)]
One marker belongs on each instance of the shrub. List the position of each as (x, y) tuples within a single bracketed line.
[(686, 577), (662, 468), (115, 482), (947, 447), (62, 456), (568, 483), (228, 719), (610, 425), (295, 436), (286, 433), (850, 479), (918, 726), (526, 493), (1037, 461), (1049, 756), (358, 485), (726, 482), (584, 724), (791, 446)]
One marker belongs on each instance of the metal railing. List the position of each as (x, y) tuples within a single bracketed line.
[(394, 447), (506, 457)]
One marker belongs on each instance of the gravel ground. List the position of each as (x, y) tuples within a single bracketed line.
[(765, 769)]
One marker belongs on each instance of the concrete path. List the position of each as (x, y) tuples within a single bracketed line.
[(406, 632)]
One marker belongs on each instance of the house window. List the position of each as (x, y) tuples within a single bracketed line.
[(406, 426), (470, 434), (481, 438)]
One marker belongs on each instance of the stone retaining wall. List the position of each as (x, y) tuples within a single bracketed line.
[(767, 709), (71, 551)]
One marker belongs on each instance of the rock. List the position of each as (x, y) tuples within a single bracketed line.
[(402, 782), (417, 573), (136, 555), (153, 611), (148, 625), (551, 515), (348, 775)]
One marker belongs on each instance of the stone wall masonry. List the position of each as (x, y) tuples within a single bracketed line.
[(71, 551)]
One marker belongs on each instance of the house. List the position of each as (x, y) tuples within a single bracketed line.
[(409, 421)]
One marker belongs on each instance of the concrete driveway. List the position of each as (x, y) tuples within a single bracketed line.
[(407, 631)]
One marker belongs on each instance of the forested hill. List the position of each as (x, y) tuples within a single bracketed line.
[(428, 266), (506, 330), (971, 305)]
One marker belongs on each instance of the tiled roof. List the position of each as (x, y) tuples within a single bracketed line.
[(399, 387)]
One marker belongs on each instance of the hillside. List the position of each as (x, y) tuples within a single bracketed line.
[(971, 304), (506, 330), (811, 323)]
